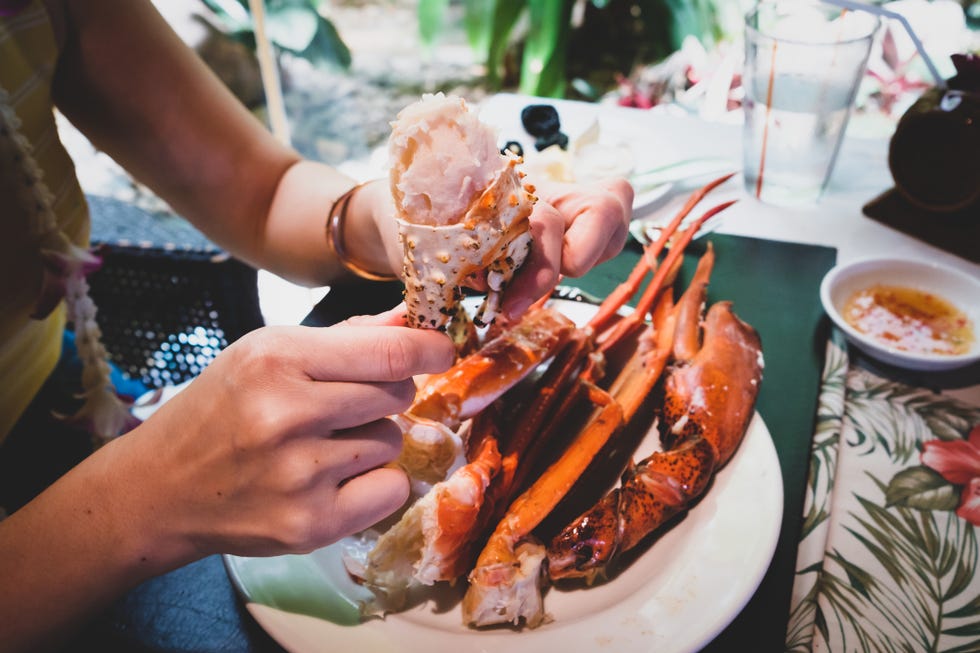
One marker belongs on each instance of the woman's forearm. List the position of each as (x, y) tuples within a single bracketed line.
[(75, 548), (295, 240)]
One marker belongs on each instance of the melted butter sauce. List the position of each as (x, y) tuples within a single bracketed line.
[(910, 320)]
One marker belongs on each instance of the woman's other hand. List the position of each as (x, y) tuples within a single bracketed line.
[(280, 445)]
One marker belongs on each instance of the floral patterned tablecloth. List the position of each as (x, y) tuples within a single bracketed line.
[(888, 555)]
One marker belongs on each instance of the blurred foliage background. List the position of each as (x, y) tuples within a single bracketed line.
[(554, 48), (580, 49), (577, 47)]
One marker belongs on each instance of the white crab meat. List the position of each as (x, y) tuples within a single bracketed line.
[(462, 208), (509, 591), (425, 545), (430, 449)]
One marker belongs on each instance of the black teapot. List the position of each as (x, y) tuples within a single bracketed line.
[(934, 154)]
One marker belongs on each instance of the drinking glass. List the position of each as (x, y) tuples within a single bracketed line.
[(804, 61)]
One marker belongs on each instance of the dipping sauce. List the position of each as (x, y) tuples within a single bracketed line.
[(910, 320)]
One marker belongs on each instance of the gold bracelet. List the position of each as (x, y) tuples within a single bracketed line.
[(335, 239)]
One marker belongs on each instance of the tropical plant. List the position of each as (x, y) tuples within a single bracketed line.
[(555, 48), (295, 26)]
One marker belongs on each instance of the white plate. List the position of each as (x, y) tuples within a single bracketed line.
[(503, 111), (674, 598), (962, 290)]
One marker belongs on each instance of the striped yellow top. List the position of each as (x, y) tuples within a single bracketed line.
[(29, 349)]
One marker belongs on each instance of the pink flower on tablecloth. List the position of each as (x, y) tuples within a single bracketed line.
[(958, 461), (970, 502)]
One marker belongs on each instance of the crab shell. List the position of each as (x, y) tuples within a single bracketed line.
[(494, 235)]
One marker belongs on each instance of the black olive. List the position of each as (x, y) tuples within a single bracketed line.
[(513, 147), (540, 120), (558, 138)]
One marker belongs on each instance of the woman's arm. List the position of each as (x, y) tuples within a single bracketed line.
[(276, 448), (140, 94)]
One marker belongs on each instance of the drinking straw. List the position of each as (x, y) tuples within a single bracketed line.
[(270, 74), (886, 13)]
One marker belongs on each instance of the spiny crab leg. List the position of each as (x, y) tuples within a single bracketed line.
[(664, 272), (651, 252), (462, 208)]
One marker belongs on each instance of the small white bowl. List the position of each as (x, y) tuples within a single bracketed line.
[(958, 288)]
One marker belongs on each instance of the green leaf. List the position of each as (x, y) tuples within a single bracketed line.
[(966, 630), (969, 647), (962, 572), (291, 26), (970, 609), (942, 429), (505, 15), (478, 23), (859, 579), (922, 488), (431, 15), (545, 50), (235, 17), (930, 538), (327, 48)]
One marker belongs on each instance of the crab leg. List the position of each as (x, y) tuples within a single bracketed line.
[(665, 272), (709, 400), (473, 221), (482, 377), (505, 585), (583, 540), (460, 508), (430, 540), (622, 293)]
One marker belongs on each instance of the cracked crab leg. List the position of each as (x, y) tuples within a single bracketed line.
[(462, 209), (431, 539)]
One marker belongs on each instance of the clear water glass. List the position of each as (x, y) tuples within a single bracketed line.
[(803, 65)]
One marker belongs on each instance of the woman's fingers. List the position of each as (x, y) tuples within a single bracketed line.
[(355, 353), (329, 459), (336, 406), (597, 225), (539, 274), (368, 498), (381, 354), (596, 218), (357, 450)]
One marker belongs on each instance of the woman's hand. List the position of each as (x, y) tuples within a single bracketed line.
[(278, 446), (575, 228)]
